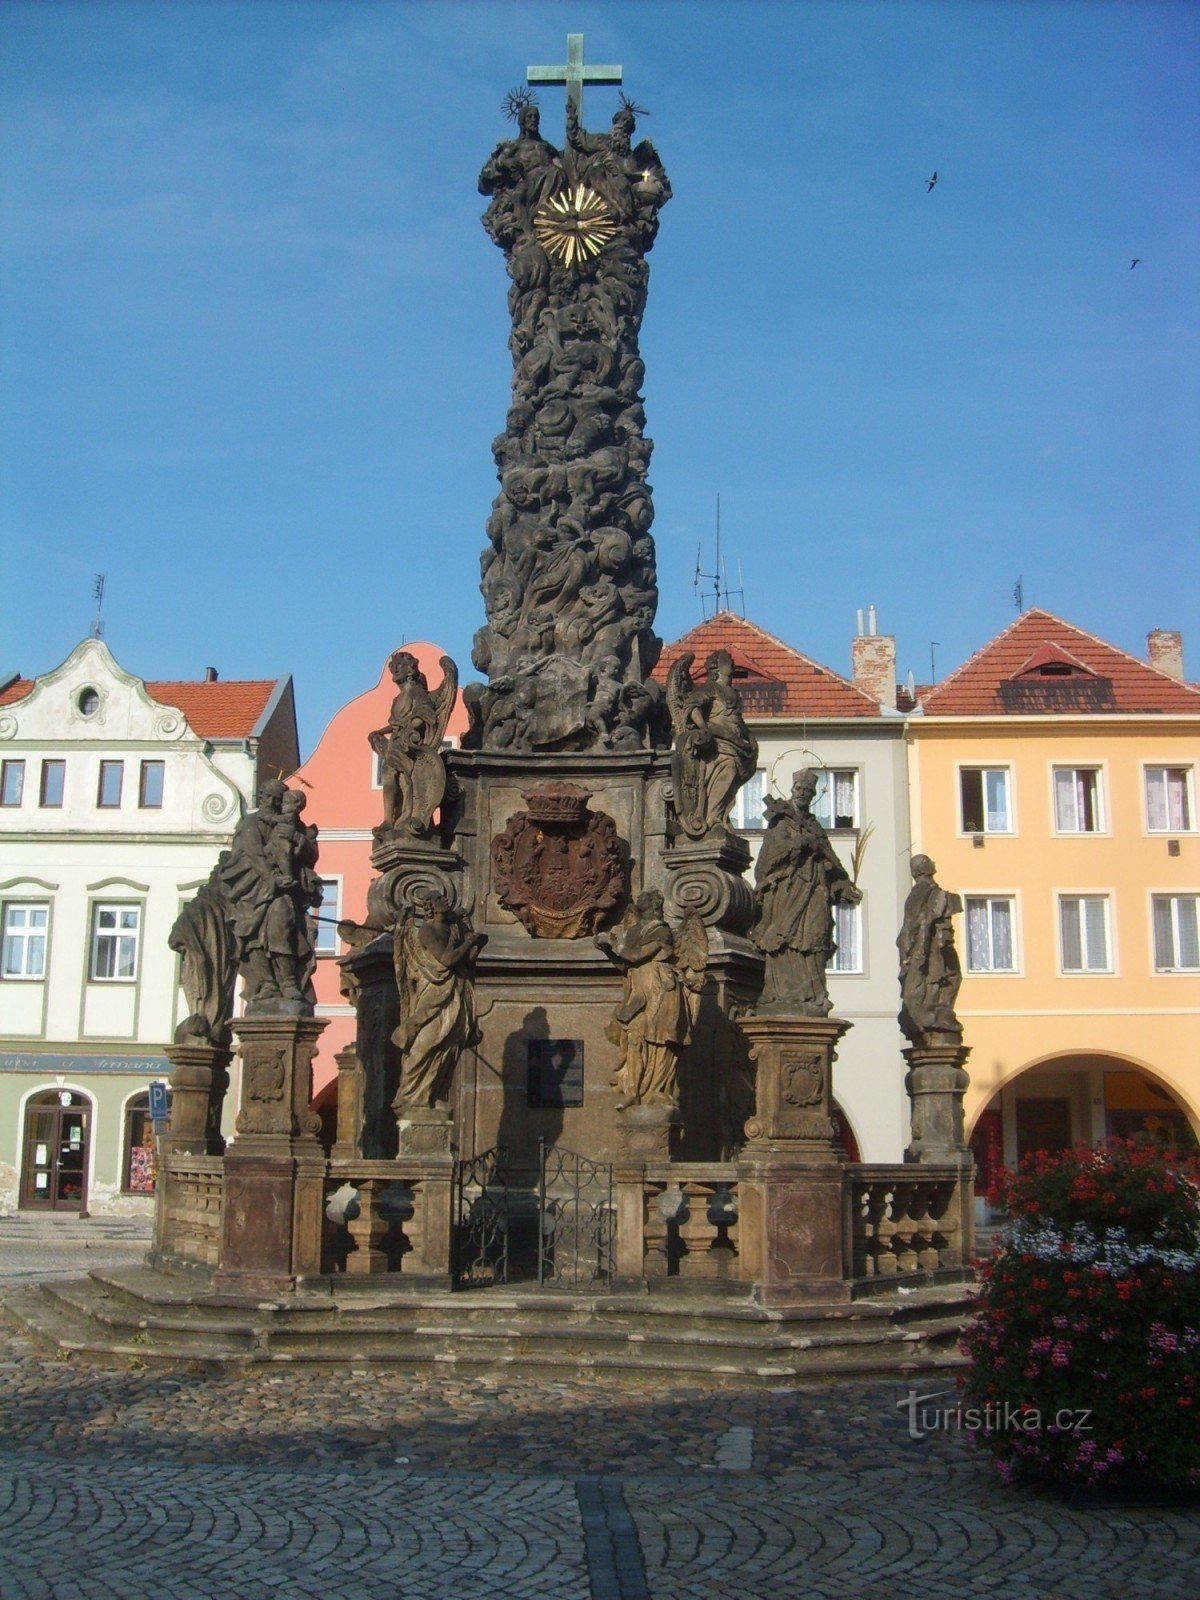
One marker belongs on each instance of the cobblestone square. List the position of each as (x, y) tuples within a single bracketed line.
[(189, 1483)]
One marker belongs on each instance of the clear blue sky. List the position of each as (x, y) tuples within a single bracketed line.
[(254, 335)]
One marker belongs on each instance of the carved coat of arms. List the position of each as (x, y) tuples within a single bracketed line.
[(558, 866)]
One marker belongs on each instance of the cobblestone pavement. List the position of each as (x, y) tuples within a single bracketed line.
[(191, 1484)]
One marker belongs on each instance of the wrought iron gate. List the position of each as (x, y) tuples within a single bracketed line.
[(480, 1221), (575, 1220)]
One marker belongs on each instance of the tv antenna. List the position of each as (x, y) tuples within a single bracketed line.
[(1019, 594), (98, 597), (722, 594)]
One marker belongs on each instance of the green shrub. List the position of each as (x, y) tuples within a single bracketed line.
[(1085, 1352)]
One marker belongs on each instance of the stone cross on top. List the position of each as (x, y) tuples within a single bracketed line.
[(574, 74)]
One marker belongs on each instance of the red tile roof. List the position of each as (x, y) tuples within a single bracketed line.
[(773, 679), (16, 690), (218, 710), (1042, 665), (214, 710)]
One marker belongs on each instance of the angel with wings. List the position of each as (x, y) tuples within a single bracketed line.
[(664, 977), (714, 751), (414, 774)]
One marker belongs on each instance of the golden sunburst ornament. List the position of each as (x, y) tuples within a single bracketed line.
[(574, 225)]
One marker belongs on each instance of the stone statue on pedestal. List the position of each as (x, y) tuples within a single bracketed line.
[(568, 577), (414, 774), (798, 879), (203, 937), (930, 973), (664, 975), (714, 750), (270, 884), (433, 951)]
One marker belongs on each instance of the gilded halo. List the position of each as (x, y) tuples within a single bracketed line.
[(574, 225)]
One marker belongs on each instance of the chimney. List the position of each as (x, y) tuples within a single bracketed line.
[(1164, 650), (873, 663), (210, 674)]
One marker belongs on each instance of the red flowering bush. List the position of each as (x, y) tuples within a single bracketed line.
[(1085, 1352)]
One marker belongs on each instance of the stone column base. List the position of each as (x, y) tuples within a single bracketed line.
[(199, 1078), (793, 1060), (794, 1227), (424, 1131), (936, 1083), (649, 1133)]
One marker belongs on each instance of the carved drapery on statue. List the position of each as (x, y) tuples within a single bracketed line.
[(270, 884), (664, 976), (930, 972), (433, 951), (558, 866), (568, 577), (798, 879), (714, 752), (203, 938), (414, 773)]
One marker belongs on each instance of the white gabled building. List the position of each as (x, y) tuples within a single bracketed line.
[(116, 796)]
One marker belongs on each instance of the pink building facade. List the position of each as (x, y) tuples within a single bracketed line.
[(342, 780)]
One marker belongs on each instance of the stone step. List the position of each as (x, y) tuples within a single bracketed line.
[(85, 1318), (47, 1323), (124, 1316)]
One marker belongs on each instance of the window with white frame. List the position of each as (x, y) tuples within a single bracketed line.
[(835, 804), (1077, 800), (1176, 932), (847, 936), (991, 946), (1083, 933), (1170, 801), (984, 795), (24, 947), (748, 806), (328, 913), (115, 930), (377, 770)]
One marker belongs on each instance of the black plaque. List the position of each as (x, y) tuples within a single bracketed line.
[(555, 1072)]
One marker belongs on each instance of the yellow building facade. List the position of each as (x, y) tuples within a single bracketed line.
[(1053, 780)]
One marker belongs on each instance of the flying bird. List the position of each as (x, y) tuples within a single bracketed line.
[(929, 183), (1135, 262)]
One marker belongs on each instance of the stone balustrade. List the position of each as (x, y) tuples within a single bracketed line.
[(191, 1199), (909, 1220)]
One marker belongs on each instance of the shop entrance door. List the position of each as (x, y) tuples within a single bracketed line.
[(54, 1170)]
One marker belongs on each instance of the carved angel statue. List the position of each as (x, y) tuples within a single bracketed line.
[(433, 953), (414, 774), (714, 752), (664, 976), (930, 973)]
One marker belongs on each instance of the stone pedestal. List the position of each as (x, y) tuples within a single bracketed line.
[(936, 1083), (275, 1170), (349, 1106), (424, 1130), (793, 1060), (795, 1217), (199, 1079), (648, 1133)]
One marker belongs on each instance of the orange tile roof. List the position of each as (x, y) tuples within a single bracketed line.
[(16, 690), (773, 679), (1008, 676), (218, 710), (214, 710)]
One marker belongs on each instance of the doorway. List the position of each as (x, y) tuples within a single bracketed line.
[(57, 1137)]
